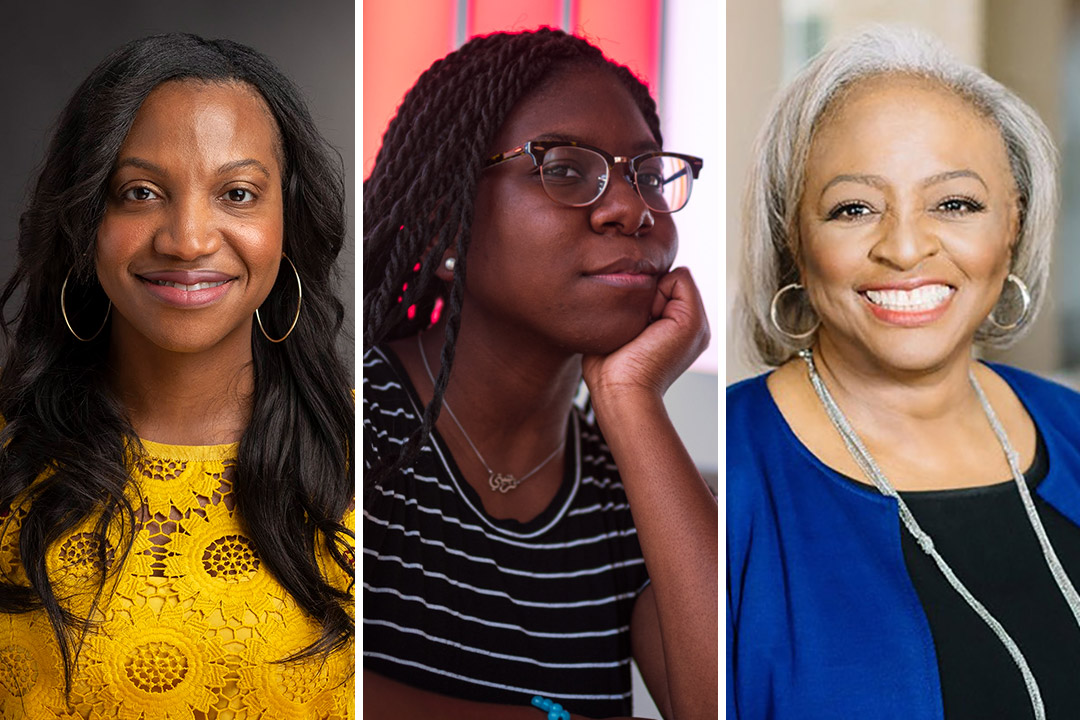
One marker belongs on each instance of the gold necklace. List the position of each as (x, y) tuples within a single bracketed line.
[(502, 482)]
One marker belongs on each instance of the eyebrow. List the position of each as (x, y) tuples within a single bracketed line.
[(872, 180), (245, 163), (942, 177), (879, 182), (227, 167), (139, 163), (557, 137), (644, 147)]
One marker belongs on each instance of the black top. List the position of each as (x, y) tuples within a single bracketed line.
[(463, 604), (986, 538)]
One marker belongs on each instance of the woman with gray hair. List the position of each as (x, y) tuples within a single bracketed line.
[(903, 521)]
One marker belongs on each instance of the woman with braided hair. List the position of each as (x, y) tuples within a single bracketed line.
[(505, 555)]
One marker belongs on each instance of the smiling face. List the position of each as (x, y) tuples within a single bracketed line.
[(580, 279), (192, 235), (906, 225)]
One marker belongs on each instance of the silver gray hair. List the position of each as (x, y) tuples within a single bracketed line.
[(776, 179)]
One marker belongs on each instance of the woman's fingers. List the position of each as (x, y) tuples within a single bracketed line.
[(664, 349), (679, 301)]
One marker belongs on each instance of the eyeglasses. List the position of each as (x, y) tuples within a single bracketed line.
[(577, 175)]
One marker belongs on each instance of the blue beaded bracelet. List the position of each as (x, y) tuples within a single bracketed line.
[(553, 709)]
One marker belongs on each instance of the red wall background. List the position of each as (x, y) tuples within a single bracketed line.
[(403, 37)]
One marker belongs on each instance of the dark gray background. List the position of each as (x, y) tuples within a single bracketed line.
[(48, 47)]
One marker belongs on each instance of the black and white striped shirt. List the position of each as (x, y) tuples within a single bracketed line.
[(459, 603)]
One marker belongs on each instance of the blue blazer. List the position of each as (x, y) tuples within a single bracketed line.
[(822, 618)]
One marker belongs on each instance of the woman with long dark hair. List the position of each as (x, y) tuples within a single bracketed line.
[(175, 472), (518, 237)]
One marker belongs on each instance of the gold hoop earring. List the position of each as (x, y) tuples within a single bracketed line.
[(774, 308), (1025, 300), (299, 300), (63, 311)]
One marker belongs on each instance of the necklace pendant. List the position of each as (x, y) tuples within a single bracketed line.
[(502, 483)]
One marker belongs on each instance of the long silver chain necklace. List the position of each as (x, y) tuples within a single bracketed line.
[(866, 462), (503, 482)]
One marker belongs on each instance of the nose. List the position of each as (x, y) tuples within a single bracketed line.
[(189, 231), (904, 242), (620, 207)]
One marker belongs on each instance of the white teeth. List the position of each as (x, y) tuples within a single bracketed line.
[(925, 297), (189, 288)]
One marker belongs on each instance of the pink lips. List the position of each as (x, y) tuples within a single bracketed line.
[(906, 318), (627, 273), (626, 280), (187, 288)]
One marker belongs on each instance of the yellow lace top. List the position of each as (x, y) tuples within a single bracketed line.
[(195, 622)]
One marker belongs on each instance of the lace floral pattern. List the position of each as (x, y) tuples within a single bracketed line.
[(195, 627)]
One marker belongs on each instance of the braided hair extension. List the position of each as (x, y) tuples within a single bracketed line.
[(418, 200), (67, 444)]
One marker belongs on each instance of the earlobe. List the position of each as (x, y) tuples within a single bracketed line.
[(446, 267)]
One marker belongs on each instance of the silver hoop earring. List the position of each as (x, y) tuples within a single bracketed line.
[(1025, 297), (299, 300), (774, 308), (63, 311), (449, 263)]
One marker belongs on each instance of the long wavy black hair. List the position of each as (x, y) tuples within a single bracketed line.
[(420, 194), (65, 447)]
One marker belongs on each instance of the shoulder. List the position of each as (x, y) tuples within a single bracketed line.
[(758, 448), (377, 364), (772, 478), (1045, 398), (746, 396), (390, 410), (384, 382), (750, 414)]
